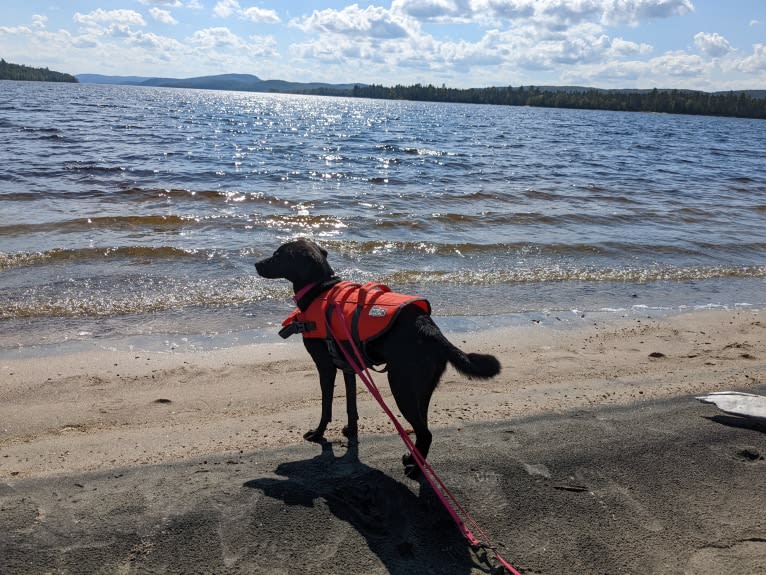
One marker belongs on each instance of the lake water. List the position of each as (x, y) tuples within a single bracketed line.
[(137, 213)]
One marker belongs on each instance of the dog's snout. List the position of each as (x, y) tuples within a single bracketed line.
[(265, 268)]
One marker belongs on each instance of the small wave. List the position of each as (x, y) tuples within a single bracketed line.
[(405, 248), (556, 274), (205, 195), (612, 198), (45, 130), (595, 192), (84, 167), (422, 152), (691, 215), (146, 295), (154, 222), (542, 195), (21, 259), (474, 198), (490, 220), (55, 137), (301, 221)]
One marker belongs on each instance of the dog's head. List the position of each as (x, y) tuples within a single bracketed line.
[(301, 261)]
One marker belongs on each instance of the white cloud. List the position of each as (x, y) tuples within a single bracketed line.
[(262, 46), (435, 10), (14, 30), (39, 21), (635, 11), (168, 3), (756, 63), (225, 8), (225, 41), (620, 47), (681, 64), (157, 44), (260, 15), (554, 13), (352, 21), (117, 17), (163, 16), (713, 45), (218, 37)]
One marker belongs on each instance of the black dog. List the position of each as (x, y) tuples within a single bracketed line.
[(414, 349)]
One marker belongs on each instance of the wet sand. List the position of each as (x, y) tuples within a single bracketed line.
[(587, 454)]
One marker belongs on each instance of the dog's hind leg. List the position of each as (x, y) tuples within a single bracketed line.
[(352, 429), (318, 351), (412, 398)]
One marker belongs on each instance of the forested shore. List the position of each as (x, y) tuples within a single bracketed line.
[(10, 71), (739, 104)]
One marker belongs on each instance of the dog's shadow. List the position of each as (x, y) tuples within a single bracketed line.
[(408, 532), (741, 422)]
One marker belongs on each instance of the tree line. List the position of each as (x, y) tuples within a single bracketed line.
[(738, 104), (10, 71)]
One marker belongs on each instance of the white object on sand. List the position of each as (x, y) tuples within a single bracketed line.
[(737, 403)]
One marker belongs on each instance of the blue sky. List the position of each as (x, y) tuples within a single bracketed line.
[(697, 44)]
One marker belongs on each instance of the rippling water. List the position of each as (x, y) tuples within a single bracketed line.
[(133, 211)]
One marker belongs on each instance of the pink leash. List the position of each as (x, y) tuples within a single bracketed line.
[(447, 499)]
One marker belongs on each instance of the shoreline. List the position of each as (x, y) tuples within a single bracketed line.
[(102, 409), (178, 342)]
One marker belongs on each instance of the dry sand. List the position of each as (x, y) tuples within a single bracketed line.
[(589, 460)]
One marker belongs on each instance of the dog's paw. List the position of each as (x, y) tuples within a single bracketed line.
[(412, 471), (350, 431), (411, 468), (314, 435)]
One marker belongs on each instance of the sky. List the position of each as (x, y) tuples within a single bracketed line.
[(696, 44)]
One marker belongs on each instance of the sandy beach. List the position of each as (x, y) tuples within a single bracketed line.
[(196, 432)]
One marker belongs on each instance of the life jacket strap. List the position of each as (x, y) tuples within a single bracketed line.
[(297, 327)]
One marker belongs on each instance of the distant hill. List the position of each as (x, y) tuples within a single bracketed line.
[(243, 82), (10, 71), (101, 79), (751, 93), (237, 82)]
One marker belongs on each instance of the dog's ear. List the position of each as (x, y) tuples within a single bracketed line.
[(327, 270), (313, 261)]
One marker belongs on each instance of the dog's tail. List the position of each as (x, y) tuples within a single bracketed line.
[(473, 365), (478, 365)]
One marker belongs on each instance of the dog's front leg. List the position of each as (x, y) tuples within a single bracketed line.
[(352, 429), (318, 351)]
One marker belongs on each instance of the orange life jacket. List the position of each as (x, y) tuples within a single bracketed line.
[(369, 311)]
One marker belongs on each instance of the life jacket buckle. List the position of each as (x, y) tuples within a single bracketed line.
[(297, 327)]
